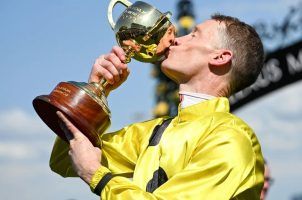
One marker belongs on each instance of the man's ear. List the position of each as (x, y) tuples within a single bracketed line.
[(221, 57)]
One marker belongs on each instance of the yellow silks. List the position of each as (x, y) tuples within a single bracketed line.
[(206, 153)]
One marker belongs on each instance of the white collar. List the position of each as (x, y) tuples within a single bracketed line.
[(191, 98)]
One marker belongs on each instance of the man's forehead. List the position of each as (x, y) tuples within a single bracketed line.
[(209, 24)]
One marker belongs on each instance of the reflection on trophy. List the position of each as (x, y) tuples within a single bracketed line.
[(142, 31)]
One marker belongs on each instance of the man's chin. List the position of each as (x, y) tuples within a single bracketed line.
[(166, 67), (168, 72), (165, 62)]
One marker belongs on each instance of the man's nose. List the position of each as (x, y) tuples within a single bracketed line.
[(180, 40), (177, 41)]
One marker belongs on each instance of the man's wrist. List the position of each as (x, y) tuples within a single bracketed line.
[(97, 177), (88, 174)]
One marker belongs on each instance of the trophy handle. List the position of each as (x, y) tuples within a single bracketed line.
[(110, 9)]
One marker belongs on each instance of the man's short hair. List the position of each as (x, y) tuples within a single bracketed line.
[(247, 48)]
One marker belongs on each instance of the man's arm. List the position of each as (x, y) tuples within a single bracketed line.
[(111, 67), (222, 167), (120, 150)]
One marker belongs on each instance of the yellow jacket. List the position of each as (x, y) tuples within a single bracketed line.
[(204, 153)]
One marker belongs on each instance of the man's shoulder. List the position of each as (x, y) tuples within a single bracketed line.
[(150, 122), (145, 126), (229, 120), (221, 123), (224, 125), (234, 130)]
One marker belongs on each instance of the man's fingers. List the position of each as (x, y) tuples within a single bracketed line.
[(111, 67), (98, 151), (106, 74), (119, 52), (108, 66), (67, 133), (69, 129), (124, 74)]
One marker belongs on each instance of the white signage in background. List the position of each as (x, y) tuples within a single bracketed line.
[(294, 65), (283, 67)]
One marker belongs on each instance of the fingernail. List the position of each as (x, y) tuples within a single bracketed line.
[(64, 128), (62, 125)]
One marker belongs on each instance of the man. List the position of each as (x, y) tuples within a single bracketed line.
[(205, 152), (267, 181)]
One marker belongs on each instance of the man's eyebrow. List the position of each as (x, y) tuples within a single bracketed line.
[(196, 29)]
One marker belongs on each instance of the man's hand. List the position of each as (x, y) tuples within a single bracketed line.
[(84, 156), (110, 66)]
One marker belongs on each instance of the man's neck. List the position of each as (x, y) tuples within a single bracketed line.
[(208, 87)]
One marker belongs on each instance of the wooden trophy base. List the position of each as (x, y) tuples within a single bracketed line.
[(83, 104)]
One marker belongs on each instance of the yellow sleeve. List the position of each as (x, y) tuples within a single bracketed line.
[(225, 165), (120, 150), (59, 160)]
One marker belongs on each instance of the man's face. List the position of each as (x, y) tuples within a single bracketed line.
[(189, 55)]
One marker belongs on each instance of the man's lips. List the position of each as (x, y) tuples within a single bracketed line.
[(167, 52)]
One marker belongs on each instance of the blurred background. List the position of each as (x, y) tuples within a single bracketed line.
[(45, 42)]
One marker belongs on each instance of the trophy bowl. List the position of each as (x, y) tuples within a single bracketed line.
[(140, 29)]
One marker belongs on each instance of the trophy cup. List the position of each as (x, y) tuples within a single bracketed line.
[(139, 30)]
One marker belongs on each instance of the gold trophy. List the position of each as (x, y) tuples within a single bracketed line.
[(140, 30)]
